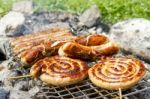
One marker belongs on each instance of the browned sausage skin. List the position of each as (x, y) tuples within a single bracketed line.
[(89, 47), (115, 73), (60, 71)]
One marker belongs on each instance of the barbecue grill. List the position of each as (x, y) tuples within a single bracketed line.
[(86, 90)]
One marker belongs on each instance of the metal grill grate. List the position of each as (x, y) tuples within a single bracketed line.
[(86, 90)]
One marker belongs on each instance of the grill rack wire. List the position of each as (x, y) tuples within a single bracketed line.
[(86, 90)]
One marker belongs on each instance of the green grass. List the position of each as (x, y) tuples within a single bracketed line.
[(5, 6), (117, 10), (112, 10), (73, 6)]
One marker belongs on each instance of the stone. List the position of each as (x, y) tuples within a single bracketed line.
[(89, 17), (147, 66), (99, 30), (57, 24), (11, 24), (65, 16), (35, 82), (82, 33), (18, 94), (31, 83), (24, 6), (8, 88), (38, 21), (147, 76), (33, 91), (21, 85), (92, 30), (102, 27), (148, 80), (10, 63), (3, 93), (133, 35), (5, 73), (3, 47), (52, 25)]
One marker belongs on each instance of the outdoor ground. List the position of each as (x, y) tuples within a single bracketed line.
[(118, 20), (112, 10)]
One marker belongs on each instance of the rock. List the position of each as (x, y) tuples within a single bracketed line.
[(38, 21), (8, 64), (34, 82), (57, 24), (148, 80), (82, 33), (99, 30), (11, 24), (133, 36), (25, 6), (4, 47), (103, 27), (63, 17), (17, 94), (31, 83), (33, 91), (52, 25), (22, 85), (3, 93), (89, 17), (8, 88), (92, 30), (147, 75), (5, 73)]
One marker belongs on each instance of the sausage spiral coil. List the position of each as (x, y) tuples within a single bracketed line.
[(60, 71), (115, 73)]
